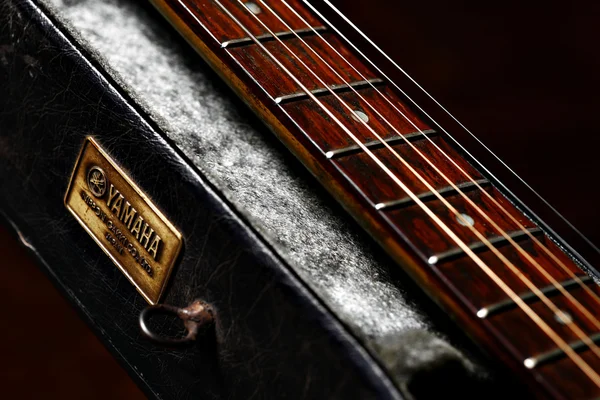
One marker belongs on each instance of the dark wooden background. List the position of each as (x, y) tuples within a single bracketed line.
[(523, 77), (47, 351)]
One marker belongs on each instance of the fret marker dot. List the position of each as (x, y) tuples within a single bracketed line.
[(253, 7), (466, 220), (359, 115), (563, 317)]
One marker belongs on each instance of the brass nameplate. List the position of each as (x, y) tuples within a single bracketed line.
[(123, 221)]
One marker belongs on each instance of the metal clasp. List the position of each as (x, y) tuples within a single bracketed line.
[(194, 316)]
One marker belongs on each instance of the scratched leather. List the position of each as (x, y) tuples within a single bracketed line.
[(308, 306)]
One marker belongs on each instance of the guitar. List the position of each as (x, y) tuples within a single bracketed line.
[(519, 291)]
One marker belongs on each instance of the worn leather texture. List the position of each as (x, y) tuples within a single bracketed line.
[(285, 326)]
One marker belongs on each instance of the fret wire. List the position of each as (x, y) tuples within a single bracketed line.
[(530, 259), (375, 144), (559, 341), (537, 242), (405, 202), (321, 91), (495, 308), (479, 246), (267, 37)]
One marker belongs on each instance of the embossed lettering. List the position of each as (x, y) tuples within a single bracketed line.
[(147, 232), (128, 215), (116, 207), (137, 226), (112, 193), (153, 249)]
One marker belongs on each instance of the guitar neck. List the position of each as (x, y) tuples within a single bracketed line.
[(510, 286)]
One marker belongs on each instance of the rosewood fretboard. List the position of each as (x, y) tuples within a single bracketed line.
[(303, 112)]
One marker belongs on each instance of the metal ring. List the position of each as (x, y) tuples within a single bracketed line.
[(194, 317)]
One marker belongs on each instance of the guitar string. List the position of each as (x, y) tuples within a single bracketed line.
[(520, 302), (556, 284), (585, 338), (347, 20), (576, 278), (555, 259)]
